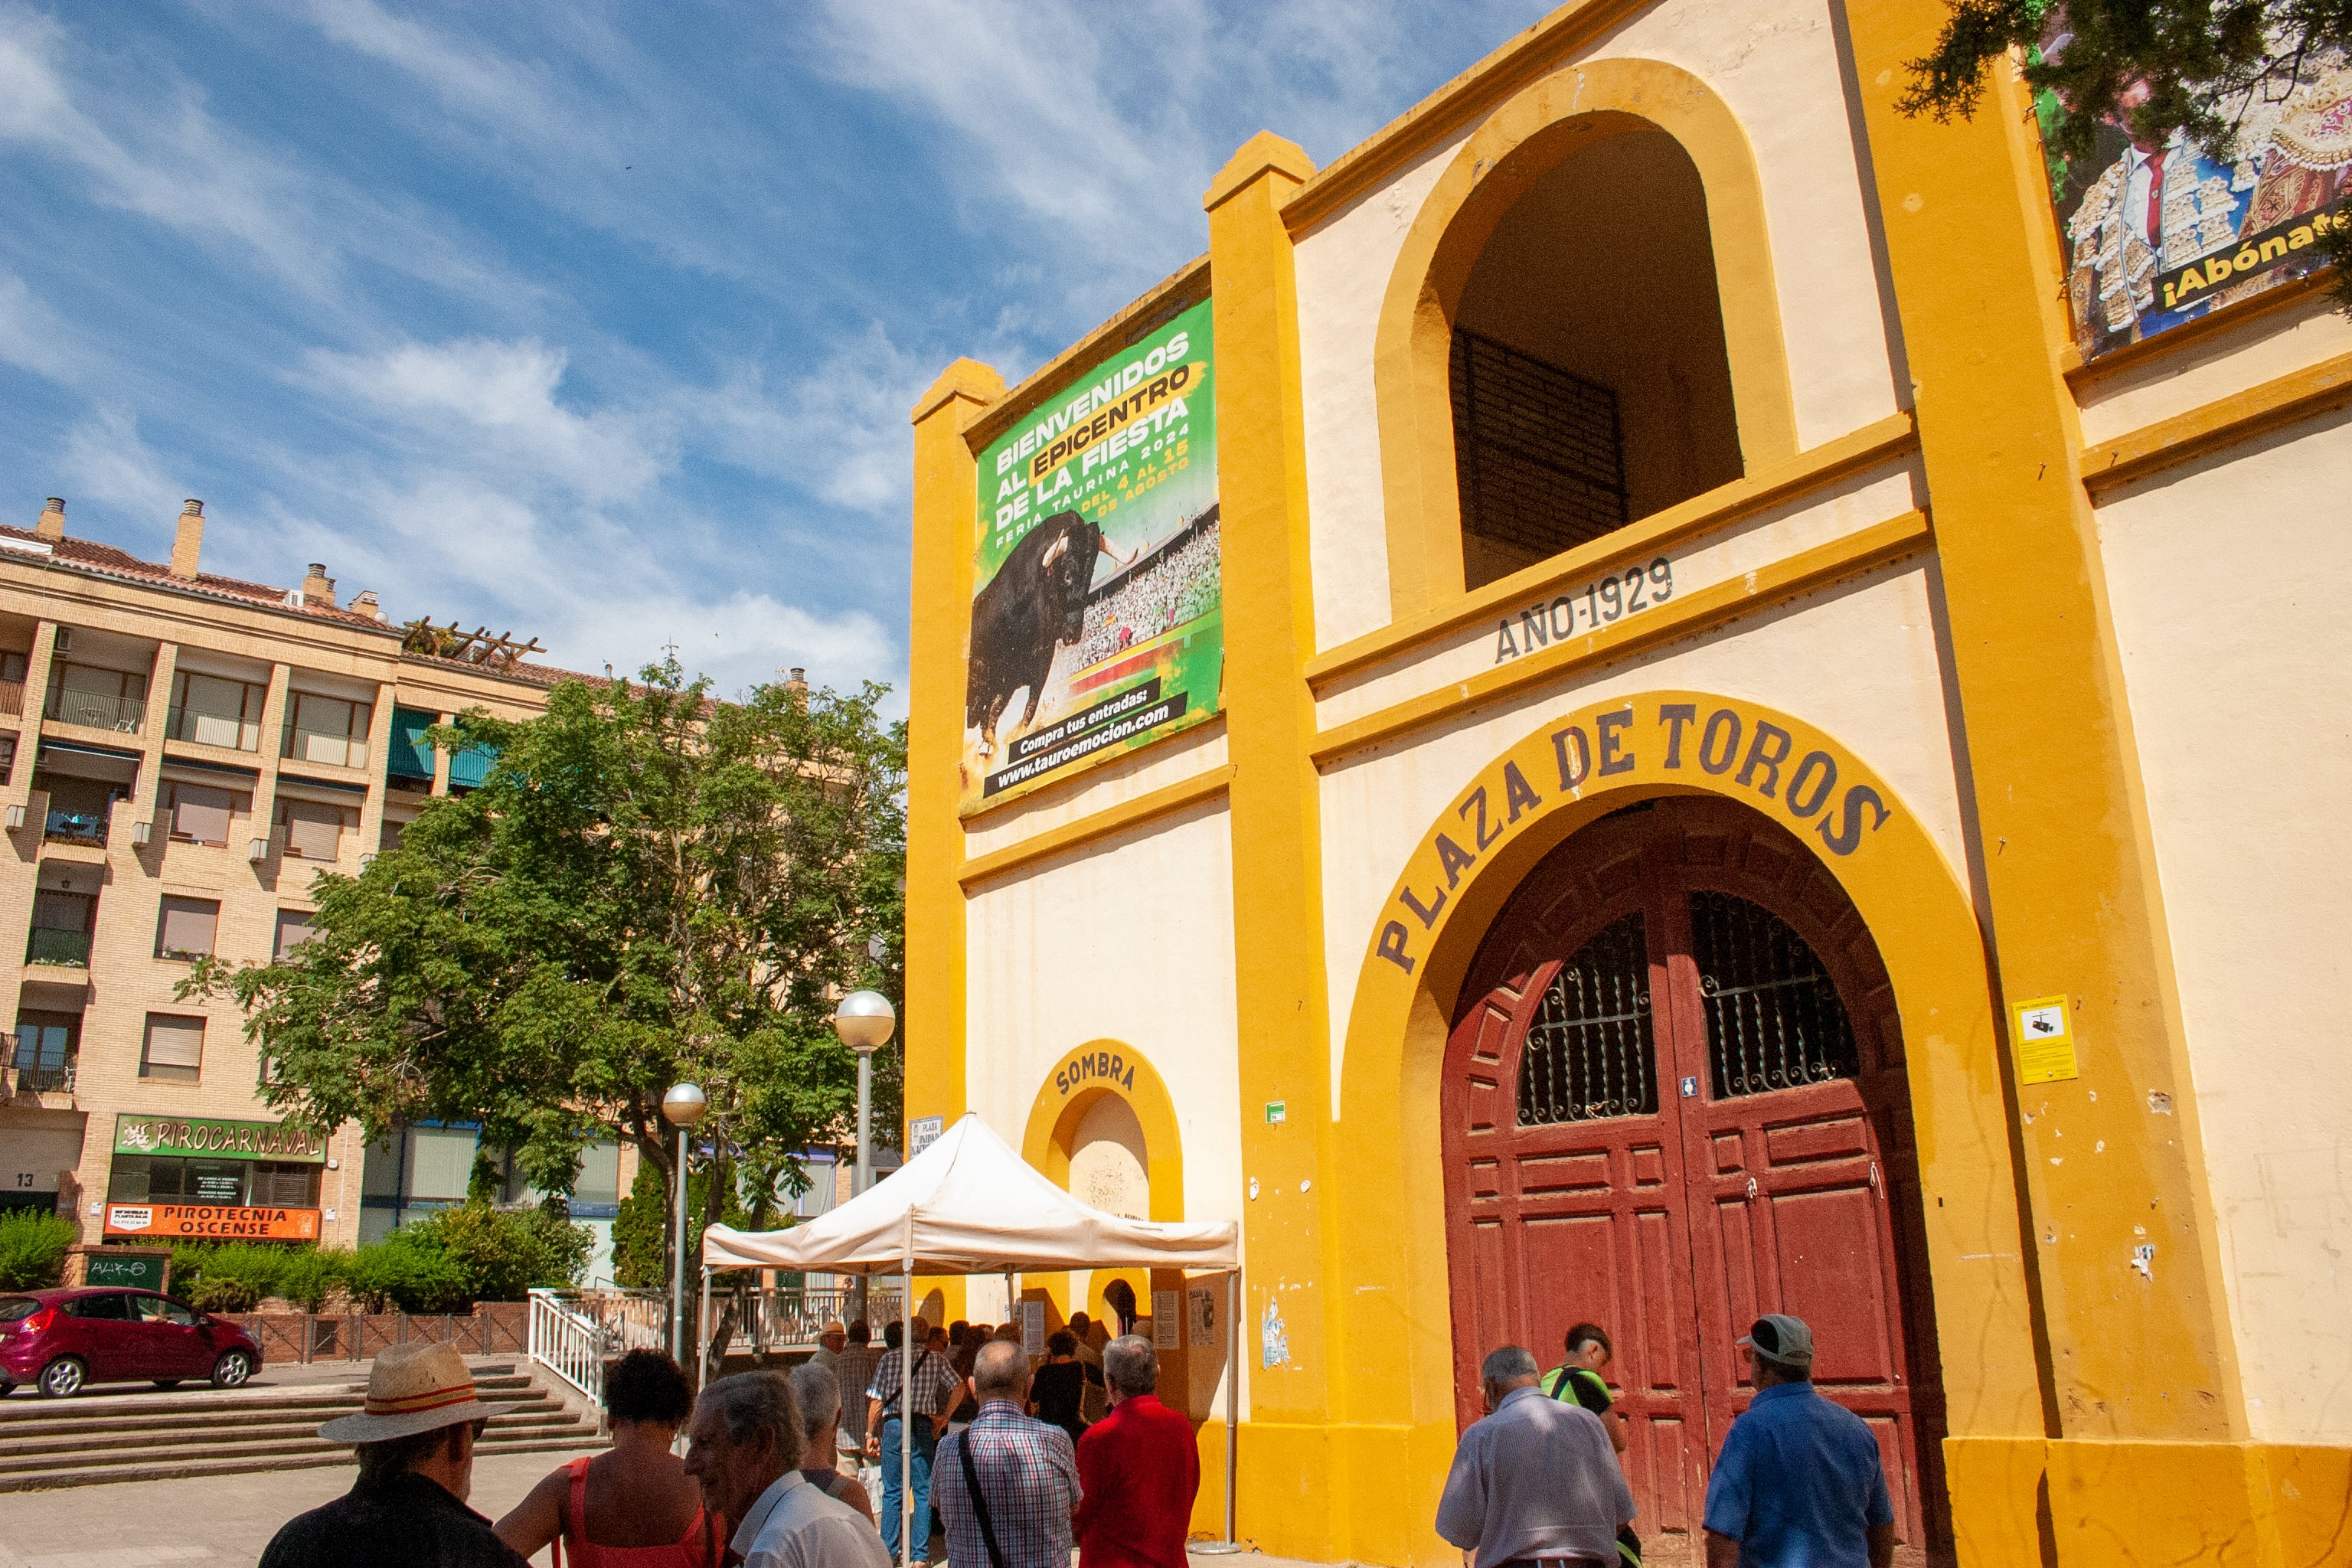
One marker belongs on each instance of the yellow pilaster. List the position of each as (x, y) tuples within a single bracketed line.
[(1293, 1503), (2145, 1461), (933, 1027)]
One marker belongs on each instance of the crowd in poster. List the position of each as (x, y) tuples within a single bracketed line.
[(2158, 233), (1097, 616)]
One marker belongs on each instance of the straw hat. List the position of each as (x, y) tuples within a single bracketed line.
[(411, 1389)]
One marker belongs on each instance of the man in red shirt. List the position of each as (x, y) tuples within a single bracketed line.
[(1140, 1469)]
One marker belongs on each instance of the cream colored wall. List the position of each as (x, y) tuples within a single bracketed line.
[(2226, 584), (1099, 787), (1775, 62), (2203, 372), (1751, 543), (1128, 939), (1858, 659)]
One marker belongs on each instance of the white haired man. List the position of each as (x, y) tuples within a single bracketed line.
[(1535, 1479), (744, 1450)]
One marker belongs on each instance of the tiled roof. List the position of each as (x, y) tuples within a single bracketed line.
[(106, 561)]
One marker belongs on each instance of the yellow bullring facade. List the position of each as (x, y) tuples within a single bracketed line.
[(1638, 702)]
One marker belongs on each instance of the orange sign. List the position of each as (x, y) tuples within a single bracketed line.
[(222, 1222)]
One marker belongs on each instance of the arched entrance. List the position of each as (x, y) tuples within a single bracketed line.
[(1673, 1097)]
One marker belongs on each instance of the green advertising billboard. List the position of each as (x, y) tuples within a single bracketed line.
[(1097, 617)]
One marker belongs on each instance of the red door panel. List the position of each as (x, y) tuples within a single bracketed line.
[(1765, 1162)]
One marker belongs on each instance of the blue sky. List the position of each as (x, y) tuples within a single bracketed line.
[(601, 323)]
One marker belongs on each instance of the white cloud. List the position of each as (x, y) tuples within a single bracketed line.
[(497, 401), (106, 462)]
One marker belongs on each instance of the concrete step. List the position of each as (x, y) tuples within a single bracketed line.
[(165, 1432), (171, 1470), (98, 1438)]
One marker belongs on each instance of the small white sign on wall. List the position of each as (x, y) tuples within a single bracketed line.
[(1167, 1327)]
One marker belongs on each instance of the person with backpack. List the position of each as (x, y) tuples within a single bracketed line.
[(1578, 1380), (930, 1394)]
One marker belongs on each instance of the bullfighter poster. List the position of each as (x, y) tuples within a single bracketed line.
[(1097, 614), (2157, 233)]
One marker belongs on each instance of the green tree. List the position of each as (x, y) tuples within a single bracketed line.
[(649, 887), (2197, 66)]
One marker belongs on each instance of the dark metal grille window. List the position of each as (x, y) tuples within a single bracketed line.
[(1773, 1018), (1590, 1052), (1539, 452)]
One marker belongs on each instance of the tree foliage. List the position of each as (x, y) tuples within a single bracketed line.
[(2197, 66), (649, 887)]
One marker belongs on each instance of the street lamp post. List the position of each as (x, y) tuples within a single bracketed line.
[(864, 1020), (682, 1107)]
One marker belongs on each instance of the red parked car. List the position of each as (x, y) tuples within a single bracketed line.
[(62, 1341)]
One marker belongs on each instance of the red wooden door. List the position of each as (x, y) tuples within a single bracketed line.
[(1674, 1099)]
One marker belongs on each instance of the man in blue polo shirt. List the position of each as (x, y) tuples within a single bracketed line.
[(1798, 1483)]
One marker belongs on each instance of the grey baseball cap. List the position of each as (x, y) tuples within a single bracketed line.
[(1778, 1337)]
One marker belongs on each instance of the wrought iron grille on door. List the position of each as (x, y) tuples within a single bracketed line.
[(1773, 1018), (1590, 1052)]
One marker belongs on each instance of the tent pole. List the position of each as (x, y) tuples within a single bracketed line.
[(906, 1418), (702, 1333)]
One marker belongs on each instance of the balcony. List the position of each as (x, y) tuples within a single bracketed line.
[(331, 750), (53, 945), (46, 1079), (225, 731), (75, 827), (125, 715)]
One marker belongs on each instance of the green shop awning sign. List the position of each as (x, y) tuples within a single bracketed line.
[(203, 1136)]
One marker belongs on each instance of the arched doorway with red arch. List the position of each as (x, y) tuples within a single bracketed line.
[(1674, 1097)]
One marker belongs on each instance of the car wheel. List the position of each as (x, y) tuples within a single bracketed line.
[(233, 1368), (167, 1383), (63, 1378)]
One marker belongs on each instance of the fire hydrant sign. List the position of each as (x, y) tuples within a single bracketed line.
[(2045, 1041), (1097, 616)]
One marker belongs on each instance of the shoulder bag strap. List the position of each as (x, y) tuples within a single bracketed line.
[(979, 1500)]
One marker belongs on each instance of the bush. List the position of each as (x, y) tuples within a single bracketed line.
[(33, 1250), (223, 1296), (500, 1254), (396, 1274), (640, 1256)]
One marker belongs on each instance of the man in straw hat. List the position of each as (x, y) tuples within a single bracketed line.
[(414, 1440)]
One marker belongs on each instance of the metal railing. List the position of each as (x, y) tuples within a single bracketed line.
[(49, 945), (228, 731), (125, 715), (571, 1345), (45, 1079), (319, 746), (790, 1317), (75, 827)]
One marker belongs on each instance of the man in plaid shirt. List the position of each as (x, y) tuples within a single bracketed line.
[(933, 1394), (1026, 1473)]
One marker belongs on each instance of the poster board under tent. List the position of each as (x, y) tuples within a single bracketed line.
[(1098, 620), (2154, 234)]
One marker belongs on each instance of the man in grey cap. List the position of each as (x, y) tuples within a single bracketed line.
[(1536, 1478), (416, 1449), (1800, 1481)]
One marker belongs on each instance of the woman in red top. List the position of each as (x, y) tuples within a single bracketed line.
[(632, 1506)]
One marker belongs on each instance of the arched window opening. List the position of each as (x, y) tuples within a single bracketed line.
[(1590, 382)]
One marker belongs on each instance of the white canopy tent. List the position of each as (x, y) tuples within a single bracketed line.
[(969, 1205)]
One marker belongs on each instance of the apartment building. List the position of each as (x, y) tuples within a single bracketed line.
[(182, 755)]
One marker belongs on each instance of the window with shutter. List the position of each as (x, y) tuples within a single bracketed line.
[(174, 1050), (328, 729), (188, 928), (293, 931), (200, 816), (314, 832)]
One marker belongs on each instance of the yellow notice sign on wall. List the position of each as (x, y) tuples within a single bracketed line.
[(2045, 1041)]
